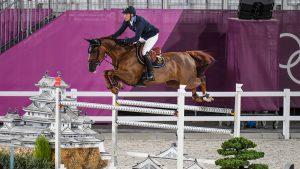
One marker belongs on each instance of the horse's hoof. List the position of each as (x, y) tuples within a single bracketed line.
[(207, 98), (210, 99), (120, 86)]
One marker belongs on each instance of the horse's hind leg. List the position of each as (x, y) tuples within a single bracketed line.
[(193, 86), (205, 96), (195, 96)]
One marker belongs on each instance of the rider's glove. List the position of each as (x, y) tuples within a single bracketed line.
[(122, 41)]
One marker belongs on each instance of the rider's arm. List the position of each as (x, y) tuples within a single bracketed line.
[(138, 33), (121, 30)]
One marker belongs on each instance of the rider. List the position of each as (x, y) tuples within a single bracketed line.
[(144, 32)]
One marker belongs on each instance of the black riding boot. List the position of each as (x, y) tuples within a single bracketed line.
[(149, 68)]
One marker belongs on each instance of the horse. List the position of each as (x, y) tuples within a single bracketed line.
[(181, 68)]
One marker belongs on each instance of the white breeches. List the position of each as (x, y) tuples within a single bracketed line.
[(149, 43)]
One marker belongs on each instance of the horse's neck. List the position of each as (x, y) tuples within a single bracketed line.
[(120, 53)]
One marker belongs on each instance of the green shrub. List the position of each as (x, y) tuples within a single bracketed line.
[(258, 166), (42, 149), (25, 161), (4, 160), (237, 154)]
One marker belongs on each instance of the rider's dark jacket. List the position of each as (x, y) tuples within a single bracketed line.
[(141, 27)]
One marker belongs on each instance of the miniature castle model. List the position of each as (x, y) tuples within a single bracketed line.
[(39, 119)]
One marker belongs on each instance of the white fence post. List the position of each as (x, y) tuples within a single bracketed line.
[(225, 4), (74, 93), (237, 110), (164, 4), (114, 132), (286, 114), (57, 128), (180, 125)]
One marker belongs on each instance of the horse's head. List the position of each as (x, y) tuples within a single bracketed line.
[(96, 54), (98, 48)]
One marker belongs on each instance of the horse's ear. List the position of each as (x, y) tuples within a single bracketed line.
[(89, 40)]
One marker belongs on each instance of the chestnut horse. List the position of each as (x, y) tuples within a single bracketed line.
[(185, 68)]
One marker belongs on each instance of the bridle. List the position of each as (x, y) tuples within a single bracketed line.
[(98, 45)]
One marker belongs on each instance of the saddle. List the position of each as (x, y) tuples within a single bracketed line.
[(155, 55)]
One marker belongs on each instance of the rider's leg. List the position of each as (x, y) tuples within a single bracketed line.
[(149, 67), (147, 47)]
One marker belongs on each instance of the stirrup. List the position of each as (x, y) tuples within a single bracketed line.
[(150, 77)]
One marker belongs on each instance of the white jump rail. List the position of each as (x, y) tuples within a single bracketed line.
[(175, 127), (119, 108), (174, 106)]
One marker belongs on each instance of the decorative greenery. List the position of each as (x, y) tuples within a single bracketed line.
[(42, 149), (24, 161), (237, 154)]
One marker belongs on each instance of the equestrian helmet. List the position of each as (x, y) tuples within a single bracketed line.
[(130, 10)]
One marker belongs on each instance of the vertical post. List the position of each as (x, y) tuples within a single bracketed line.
[(74, 93), (11, 155), (114, 132), (107, 4), (164, 4), (237, 110), (286, 114), (180, 125), (284, 4), (27, 18), (225, 4), (57, 128)]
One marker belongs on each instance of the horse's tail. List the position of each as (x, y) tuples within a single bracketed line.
[(203, 60)]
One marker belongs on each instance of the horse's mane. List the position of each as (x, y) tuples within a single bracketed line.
[(127, 47)]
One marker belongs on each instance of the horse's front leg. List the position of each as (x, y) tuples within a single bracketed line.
[(111, 82), (125, 76)]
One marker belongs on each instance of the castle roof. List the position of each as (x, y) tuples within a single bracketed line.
[(47, 109), (22, 130), (44, 96), (149, 163), (11, 117), (36, 119), (195, 165), (47, 81), (170, 153)]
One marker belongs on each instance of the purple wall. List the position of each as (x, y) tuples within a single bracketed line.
[(59, 46)]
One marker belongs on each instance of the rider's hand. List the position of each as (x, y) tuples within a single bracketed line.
[(122, 41)]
